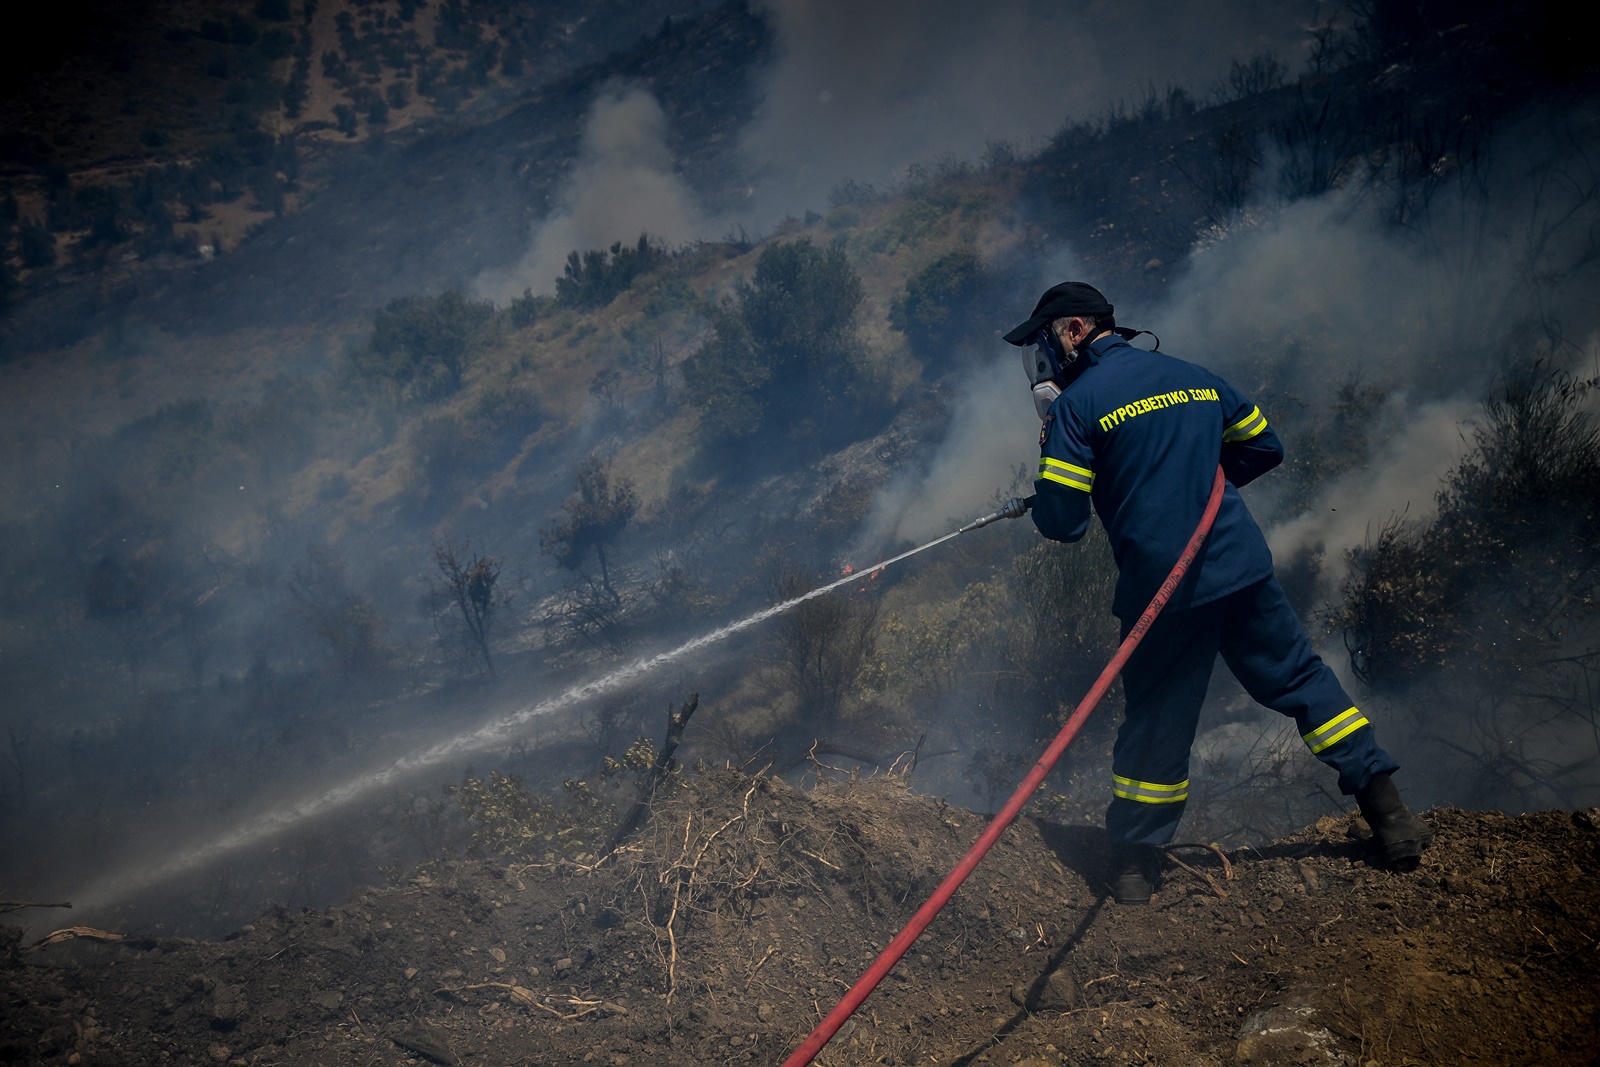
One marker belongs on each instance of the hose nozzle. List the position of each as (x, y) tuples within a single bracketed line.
[(1015, 508)]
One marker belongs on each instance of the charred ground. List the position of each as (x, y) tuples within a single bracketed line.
[(745, 907)]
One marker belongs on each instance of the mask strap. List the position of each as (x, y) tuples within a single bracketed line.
[(1129, 334)]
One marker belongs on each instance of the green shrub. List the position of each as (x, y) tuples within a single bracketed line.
[(783, 350), (596, 514), (598, 277), (919, 220), (941, 303), (447, 451), (1031, 640), (423, 345), (450, 448), (1063, 635), (507, 413), (348, 624), (527, 309)]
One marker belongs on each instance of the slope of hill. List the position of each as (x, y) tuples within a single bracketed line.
[(419, 209), (746, 907), (220, 551)]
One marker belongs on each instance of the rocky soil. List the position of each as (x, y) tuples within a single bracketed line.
[(744, 909)]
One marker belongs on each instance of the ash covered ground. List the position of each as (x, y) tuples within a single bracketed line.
[(744, 908)]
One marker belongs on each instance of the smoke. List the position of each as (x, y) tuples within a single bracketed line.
[(1420, 443), (623, 185), (962, 475), (862, 90), (1319, 290), (1290, 304)]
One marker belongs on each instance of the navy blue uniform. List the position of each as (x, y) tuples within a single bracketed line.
[(1139, 435)]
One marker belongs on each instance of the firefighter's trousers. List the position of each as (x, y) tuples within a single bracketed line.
[(1263, 644)]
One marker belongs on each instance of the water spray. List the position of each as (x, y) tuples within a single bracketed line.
[(501, 731)]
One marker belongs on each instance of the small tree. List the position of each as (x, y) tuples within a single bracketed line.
[(784, 349), (940, 302), (469, 582), (424, 344), (591, 612), (599, 511)]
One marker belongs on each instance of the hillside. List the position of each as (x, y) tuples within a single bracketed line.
[(270, 223), (305, 529), (746, 907)]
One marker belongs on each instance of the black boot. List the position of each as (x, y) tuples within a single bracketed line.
[(1397, 834), (1135, 870)]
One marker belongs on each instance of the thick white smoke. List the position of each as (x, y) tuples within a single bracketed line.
[(982, 450), (1337, 295), (1419, 445), (622, 185)]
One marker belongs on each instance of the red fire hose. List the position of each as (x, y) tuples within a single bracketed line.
[(941, 896)]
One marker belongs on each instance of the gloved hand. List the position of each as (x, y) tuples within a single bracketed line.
[(1017, 507)]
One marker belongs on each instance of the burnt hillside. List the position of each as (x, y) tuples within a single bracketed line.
[(746, 907)]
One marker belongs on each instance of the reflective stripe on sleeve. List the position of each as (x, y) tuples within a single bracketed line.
[(1068, 474), (1247, 427), (1335, 729), (1149, 792)]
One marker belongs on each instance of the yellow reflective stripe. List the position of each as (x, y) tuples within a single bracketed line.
[(1247, 427), (1069, 474), (1335, 729), (1051, 476), (1149, 792)]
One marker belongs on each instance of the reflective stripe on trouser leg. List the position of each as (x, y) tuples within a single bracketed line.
[(1165, 684), (1266, 649), (1145, 813), (1334, 730), (1149, 792)]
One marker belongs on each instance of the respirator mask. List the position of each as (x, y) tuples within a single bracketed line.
[(1046, 364)]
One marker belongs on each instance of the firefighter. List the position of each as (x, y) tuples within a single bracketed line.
[(1139, 435)]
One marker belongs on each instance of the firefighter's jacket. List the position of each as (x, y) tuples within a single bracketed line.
[(1140, 434)]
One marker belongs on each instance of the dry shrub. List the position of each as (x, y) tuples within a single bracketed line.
[(1485, 619), (1512, 558), (731, 852)]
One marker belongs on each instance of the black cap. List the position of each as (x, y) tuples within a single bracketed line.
[(1061, 302)]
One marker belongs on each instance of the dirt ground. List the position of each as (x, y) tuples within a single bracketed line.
[(746, 907)]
